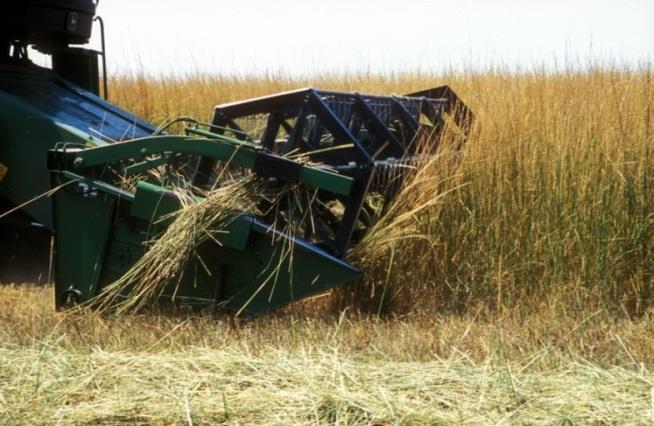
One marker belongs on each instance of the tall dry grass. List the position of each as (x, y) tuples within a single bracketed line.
[(550, 203)]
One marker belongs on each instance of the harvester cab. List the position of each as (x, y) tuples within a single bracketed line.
[(112, 187)]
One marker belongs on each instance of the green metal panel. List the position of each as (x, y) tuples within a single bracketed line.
[(276, 270), (37, 111), (238, 233), (152, 203), (26, 135), (101, 233), (320, 178), (83, 227)]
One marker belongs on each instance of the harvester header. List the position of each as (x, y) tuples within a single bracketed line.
[(249, 211)]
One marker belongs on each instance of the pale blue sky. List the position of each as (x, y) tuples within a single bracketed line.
[(303, 37)]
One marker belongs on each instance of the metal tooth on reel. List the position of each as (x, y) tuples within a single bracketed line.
[(370, 138), (388, 177)]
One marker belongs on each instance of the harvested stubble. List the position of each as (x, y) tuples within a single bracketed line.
[(223, 385), (545, 368)]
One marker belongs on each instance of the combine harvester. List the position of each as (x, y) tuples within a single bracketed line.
[(112, 179)]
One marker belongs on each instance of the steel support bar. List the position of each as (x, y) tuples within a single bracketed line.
[(337, 128), (461, 114), (374, 124), (259, 105), (237, 155)]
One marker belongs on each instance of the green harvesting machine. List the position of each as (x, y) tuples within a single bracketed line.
[(108, 185)]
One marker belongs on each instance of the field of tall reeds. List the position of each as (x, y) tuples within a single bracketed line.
[(514, 284), (552, 199)]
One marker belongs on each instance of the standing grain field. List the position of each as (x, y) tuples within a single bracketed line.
[(551, 201)]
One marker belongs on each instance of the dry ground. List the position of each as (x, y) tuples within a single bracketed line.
[(313, 366)]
